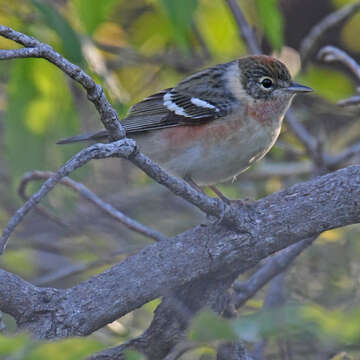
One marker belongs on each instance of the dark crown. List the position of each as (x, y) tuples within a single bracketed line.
[(254, 67)]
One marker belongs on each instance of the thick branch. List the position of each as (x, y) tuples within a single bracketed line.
[(270, 225)]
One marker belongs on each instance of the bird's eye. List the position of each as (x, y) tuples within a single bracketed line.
[(266, 83)]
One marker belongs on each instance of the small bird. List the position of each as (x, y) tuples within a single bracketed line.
[(215, 123)]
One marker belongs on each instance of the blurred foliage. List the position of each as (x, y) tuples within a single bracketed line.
[(24, 348), (207, 327), (180, 14), (272, 21), (70, 42), (134, 48), (322, 79)]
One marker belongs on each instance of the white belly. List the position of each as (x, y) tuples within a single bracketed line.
[(214, 157)]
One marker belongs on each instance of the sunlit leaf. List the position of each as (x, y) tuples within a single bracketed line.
[(151, 42), (93, 12), (181, 15), (69, 349), (71, 45), (331, 236), (152, 305), (10, 344), (341, 3), (351, 28), (40, 110), (337, 324), (272, 22), (217, 27)]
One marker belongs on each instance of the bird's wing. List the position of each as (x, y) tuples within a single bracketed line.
[(189, 103)]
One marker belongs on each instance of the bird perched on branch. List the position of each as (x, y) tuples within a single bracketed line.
[(215, 123)]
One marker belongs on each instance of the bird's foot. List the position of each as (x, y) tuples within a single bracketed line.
[(220, 195)]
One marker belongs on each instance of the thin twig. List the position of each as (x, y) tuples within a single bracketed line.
[(36, 49), (124, 147), (332, 53), (74, 269), (311, 40), (42, 210), (333, 162), (351, 101), (274, 298), (92, 197), (306, 139), (272, 267), (245, 31)]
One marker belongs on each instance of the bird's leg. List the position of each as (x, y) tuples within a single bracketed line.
[(220, 195), (191, 182), (243, 202), (210, 218), (216, 191)]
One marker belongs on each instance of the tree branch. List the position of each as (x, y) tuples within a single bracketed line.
[(332, 53), (125, 148), (245, 31), (120, 148), (232, 351), (270, 225), (93, 198), (311, 40), (273, 267)]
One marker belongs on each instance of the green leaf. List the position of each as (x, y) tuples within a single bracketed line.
[(180, 14), (133, 355), (71, 45), (219, 31), (329, 83), (282, 321), (11, 344), (272, 22), (93, 12), (207, 326), (69, 349), (21, 261), (40, 111), (291, 320)]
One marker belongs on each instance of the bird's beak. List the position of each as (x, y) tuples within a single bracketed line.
[(298, 88)]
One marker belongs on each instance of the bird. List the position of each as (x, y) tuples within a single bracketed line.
[(214, 124)]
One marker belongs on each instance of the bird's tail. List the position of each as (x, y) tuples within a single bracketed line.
[(96, 136)]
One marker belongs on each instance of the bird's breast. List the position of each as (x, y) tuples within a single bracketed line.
[(267, 113), (212, 152)]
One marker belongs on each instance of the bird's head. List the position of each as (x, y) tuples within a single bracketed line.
[(266, 78)]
